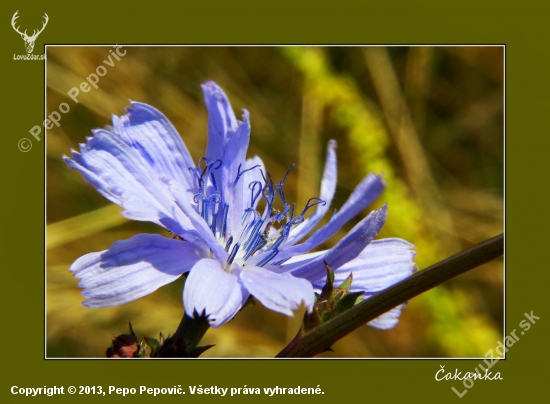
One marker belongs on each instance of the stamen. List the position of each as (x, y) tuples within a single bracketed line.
[(294, 221), (291, 216), (253, 233), (213, 177), (228, 244), (269, 195), (318, 201), (208, 205), (213, 207), (268, 258), (216, 164), (282, 237), (240, 173), (201, 160), (224, 220), (270, 182), (254, 197), (278, 216), (256, 227), (246, 228), (258, 243), (281, 262), (247, 213), (233, 253), (280, 185), (196, 173), (213, 167), (286, 175)]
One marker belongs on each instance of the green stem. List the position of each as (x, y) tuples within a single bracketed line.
[(318, 340), (191, 330)]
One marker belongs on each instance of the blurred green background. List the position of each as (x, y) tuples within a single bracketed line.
[(430, 119)]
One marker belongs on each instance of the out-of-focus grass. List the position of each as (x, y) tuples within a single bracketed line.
[(449, 108)]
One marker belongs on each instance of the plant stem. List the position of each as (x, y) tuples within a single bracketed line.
[(321, 338), (191, 330)]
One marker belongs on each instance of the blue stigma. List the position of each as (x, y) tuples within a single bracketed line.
[(208, 198), (261, 235)]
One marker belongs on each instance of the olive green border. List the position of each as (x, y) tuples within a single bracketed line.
[(520, 28)]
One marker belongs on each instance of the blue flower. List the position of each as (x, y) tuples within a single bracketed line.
[(229, 246)]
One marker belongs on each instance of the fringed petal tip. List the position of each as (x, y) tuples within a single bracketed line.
[(213, 90), (131, 269)]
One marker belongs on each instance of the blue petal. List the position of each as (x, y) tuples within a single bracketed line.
[(121, 175), (328, 187), (252, 175), (228, 141), (233, 163), (278, 292), (381, 264), (221, 119), (156, 140), (296, 262), (387, 320), (212, 292), (347, 249), (132, 268), (363, 195)]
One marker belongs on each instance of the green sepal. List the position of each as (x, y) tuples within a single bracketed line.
[(331, 302), (197, 351), (346, 285), (174, 347), (132, 333), (345, 303), (329, 285), (154, 345), (142, 352), (312, 320), (249, 301)]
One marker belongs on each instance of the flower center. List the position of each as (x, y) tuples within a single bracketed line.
[(261, 235)]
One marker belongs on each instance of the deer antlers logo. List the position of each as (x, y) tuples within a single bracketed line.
[(29, 40)]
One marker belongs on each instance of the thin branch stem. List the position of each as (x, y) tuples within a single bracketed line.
[(321, 338)]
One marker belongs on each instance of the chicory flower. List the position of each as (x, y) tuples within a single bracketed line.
[(230, 248)]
